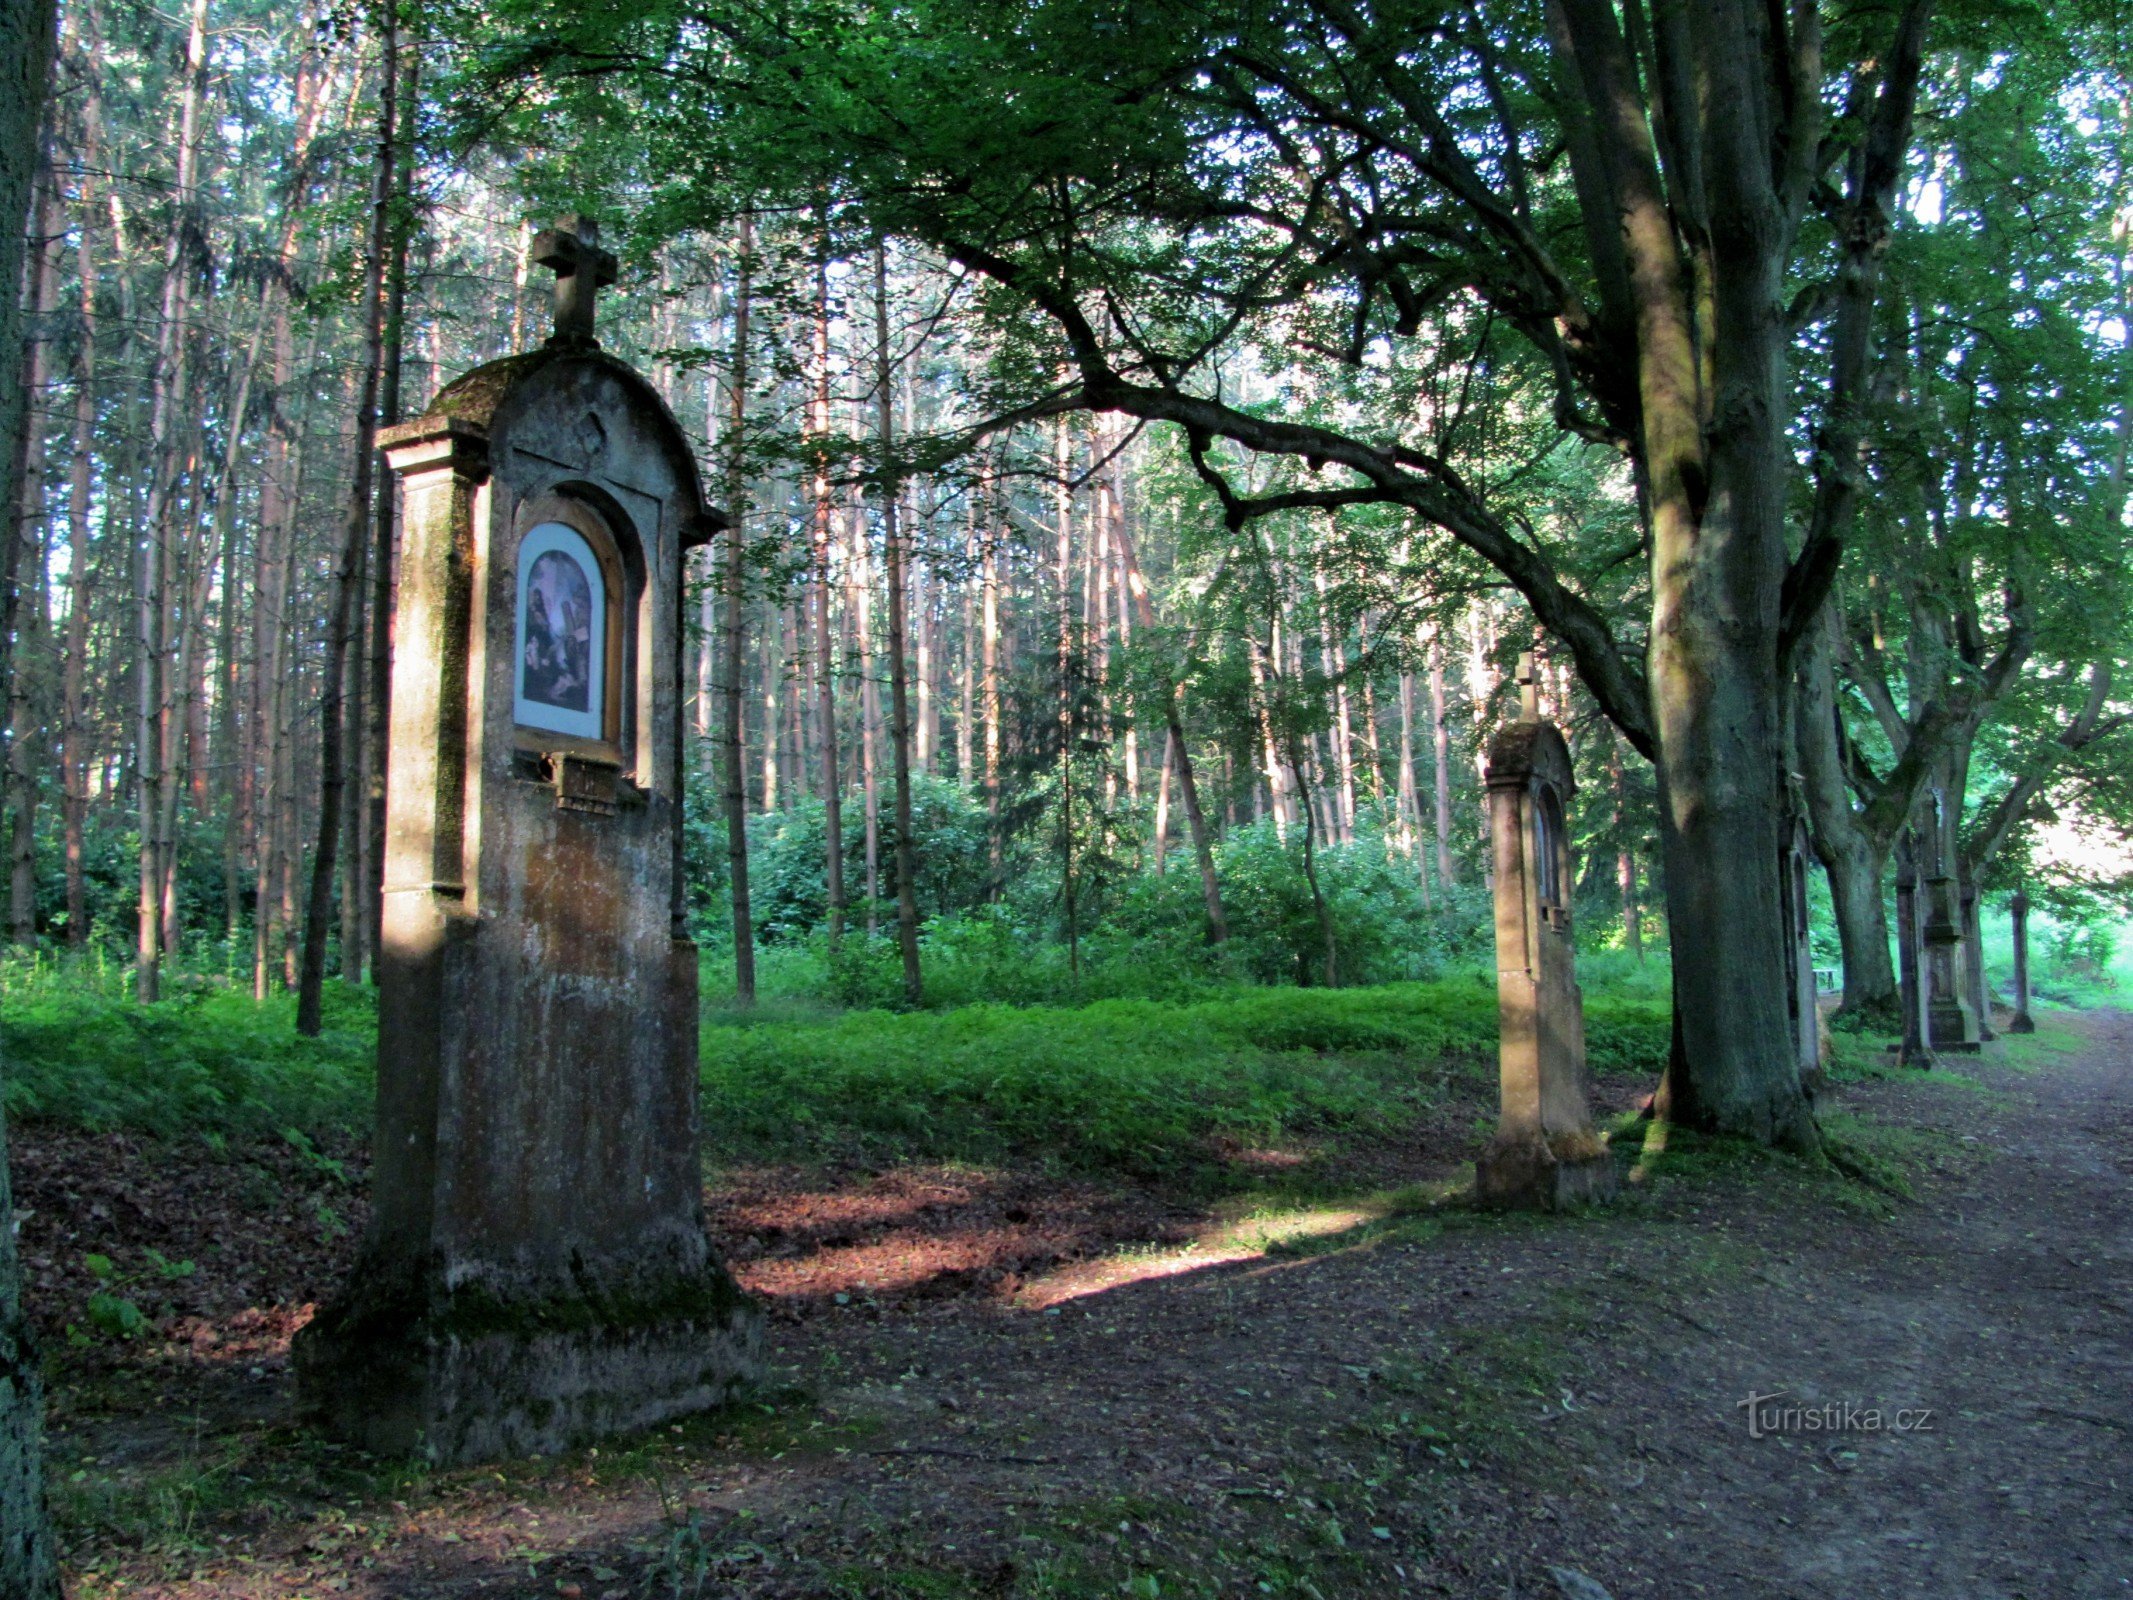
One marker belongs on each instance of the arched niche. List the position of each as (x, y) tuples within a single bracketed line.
[(577, 627)]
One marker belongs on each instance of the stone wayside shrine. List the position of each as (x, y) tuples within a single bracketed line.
[(536, 1271), (1546, 1153), (1795, 861)]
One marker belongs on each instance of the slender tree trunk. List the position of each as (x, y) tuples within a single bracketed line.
[(166, 386), (369, 880), (345, 605), (859, 607), (975, 553), (27, 588), (1178, 758), (899, 690), (825, 640), (733, 786), (1625, 857), (991, 583), (74, 757), (1063, 510), (1441, 745)]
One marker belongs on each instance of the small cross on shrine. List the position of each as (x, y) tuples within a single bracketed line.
[(1529, 700), (571, 250)]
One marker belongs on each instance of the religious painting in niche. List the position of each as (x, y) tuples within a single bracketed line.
[(1547, 829), (561, 677)]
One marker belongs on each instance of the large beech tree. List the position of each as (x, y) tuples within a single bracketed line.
[(1679, 206)]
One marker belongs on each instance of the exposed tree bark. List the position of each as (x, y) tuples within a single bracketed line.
[(28, 1556)]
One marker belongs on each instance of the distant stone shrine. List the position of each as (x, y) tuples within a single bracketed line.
[(536, 1272), (1914, 1048), (2018, 919), (1546, 1153), (1794, 861), (1952, 1018), (1976, 991)]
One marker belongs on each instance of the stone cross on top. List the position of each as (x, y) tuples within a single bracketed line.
[(571, 250), (1529, 699)]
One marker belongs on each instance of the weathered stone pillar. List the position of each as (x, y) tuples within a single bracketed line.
[(1794, 859), (536, 1272), (1975, 990), (1546, 1153), (1915, 1048), (2018, 913), (1953, 1022)]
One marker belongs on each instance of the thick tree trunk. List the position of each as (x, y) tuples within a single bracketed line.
[(1852, 852), (28, 1558), (1717, 506)]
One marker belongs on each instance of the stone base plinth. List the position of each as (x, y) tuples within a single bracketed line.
[(1525, 1173), (1953, 1026), (477, 1375)]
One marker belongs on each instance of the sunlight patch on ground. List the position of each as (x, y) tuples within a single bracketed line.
[(1246, 1238)]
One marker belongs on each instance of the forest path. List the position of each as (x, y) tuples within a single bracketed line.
[(1444, 1403)]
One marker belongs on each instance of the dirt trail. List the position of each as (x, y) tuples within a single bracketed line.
[(1448, 1405)]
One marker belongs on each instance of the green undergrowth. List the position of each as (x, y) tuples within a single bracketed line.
[(1138, 1086), (206, 1059)]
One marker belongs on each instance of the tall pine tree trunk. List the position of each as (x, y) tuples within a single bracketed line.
[(74, 716), (369, 878), (732, 778), (899, 689), (825, 638), (28, 622), (1178, 759), (166, 386)]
